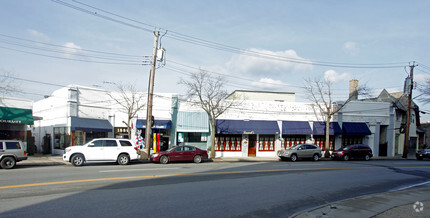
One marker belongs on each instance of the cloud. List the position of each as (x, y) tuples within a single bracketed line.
[(421, 78), (333, 76), (245, 64), (72, 49), (38, 35), (268, 84), (350, 47)]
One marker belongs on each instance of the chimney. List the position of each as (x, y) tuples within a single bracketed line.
[(353, 89)]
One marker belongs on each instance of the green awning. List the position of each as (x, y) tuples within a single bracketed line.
[(16, 115)]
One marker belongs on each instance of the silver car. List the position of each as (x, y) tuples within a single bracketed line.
[(300, 151), (11, 151)]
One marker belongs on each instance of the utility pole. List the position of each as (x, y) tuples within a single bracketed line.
[(148, 131), (408, 119)]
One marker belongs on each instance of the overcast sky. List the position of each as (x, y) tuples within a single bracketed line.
[(54, 45)]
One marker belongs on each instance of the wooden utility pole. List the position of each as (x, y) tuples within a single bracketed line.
[(148, 131), (408, 119)]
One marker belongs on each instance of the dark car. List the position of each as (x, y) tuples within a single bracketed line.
[(423, 153), (180, 154), (358, 151)]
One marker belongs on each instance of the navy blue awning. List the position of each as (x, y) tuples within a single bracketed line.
[(158, 124), (355, 129), (246, 127), (89, 124), (296, 128), (319, 128)]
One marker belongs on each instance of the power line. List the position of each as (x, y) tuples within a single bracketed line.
[(219, 46)]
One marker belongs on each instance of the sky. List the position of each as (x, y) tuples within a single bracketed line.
[(47, 44)]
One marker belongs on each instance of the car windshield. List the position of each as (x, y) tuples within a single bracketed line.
[(346, 147), (294, 147)]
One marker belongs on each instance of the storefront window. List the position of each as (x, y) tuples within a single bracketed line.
[(266, 143), (320, 142), (292, 140), (94, 135), (228, 143), (351, 140), (62, 137)]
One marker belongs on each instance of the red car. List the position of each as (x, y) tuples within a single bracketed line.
[(180, 153), (358, 151)]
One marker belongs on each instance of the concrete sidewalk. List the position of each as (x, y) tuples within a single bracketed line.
[(412, 202)]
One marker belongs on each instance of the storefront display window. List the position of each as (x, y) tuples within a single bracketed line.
[(292, 140), (62, 137), (228, 143), (320, 142), (266, 143), (351, 140)]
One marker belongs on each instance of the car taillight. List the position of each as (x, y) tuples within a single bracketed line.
[(25, 153)]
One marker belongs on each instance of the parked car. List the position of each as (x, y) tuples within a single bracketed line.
[(180, 153), (300, 151), (357, 151), (11, 151), (121, 151), (423, 153)]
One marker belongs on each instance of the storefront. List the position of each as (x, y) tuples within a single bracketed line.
[(160, 133), (193, 129), (319, 129), (354, 133), (246, 138), (13, 123), (82, 131), (295, 132)]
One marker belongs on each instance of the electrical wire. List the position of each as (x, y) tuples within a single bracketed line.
[(219, 46)]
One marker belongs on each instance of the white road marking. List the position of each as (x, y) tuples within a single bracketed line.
[(130, 170)]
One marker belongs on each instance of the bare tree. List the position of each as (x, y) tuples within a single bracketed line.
[(130, 100), (320, 93), (211, 95), (424, 97), (8, 84)]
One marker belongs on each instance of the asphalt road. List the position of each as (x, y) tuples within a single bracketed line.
[(211, 189)]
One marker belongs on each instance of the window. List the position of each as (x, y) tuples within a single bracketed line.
[(228, 143), (62, 137), (125, 143), (310, 147), (267, 143), (110, 143), (187, 148), (179, 148), (13, 145), (98, 143)]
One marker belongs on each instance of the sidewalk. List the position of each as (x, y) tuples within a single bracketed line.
[(396, 204)]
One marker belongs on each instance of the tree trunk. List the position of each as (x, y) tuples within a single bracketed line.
[(327, 137), (213, 139)]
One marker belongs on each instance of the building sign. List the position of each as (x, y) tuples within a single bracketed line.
[(16, 116)]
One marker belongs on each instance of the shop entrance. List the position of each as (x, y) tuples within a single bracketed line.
[(252, 145)]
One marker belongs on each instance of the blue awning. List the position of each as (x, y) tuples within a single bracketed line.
[(158, 124), (296, 128), (89, 124), (319, 128), (355, 128), (246, 127)]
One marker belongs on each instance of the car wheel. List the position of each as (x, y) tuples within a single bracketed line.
[(293, 157), (77, 160), (366, 157), (123, 159), (197, 159), (8, 163), (346, 157), (164, 159), (316, 157)]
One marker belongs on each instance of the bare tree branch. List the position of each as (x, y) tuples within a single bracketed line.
[(209, 91), (130, 101)]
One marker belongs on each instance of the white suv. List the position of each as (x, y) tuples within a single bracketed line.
[(102, 149)]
